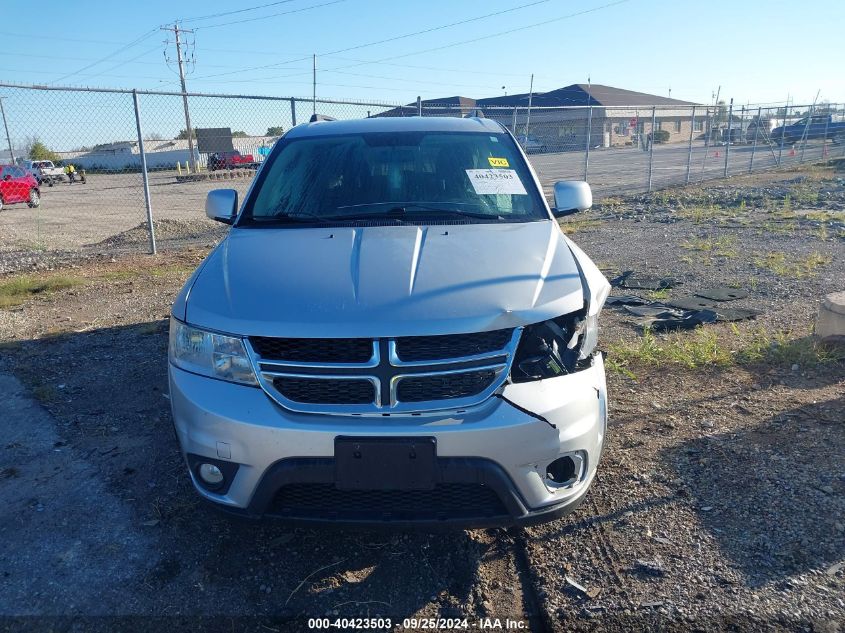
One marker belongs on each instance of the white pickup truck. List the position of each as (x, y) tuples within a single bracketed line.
[(44, 171)]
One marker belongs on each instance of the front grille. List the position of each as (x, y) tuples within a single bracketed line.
[(313, 350), (445, 501), (325, 391), (462, 385), (422, 348), (432, 372)]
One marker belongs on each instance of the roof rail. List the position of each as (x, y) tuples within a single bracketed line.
[(320, 117)]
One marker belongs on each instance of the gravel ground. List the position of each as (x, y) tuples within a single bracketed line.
[(719, 504)]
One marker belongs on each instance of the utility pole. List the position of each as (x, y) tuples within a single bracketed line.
[(528, 115), (6, 127), (188, 129), (314, 85)]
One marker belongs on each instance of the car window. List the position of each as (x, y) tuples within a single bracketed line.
[(372, 173), (17, 172), (3, 172)]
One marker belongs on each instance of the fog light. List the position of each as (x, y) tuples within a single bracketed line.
[(566, 470), (210, 474)]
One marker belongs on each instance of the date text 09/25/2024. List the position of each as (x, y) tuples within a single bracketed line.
[(419, 624)]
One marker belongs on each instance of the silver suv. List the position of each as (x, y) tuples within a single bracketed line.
[(394, 331)]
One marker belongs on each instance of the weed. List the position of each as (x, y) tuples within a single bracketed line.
[(699, 214), (658, 295), (708, 347), (799, 268), (723, 246), (573, 226), (16, 290)]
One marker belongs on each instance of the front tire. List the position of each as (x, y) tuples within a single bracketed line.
[(1, 203), (34, 199)]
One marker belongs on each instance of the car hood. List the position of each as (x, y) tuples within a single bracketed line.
[(382, 281)]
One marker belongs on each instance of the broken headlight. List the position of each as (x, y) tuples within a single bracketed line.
[(554, 347)]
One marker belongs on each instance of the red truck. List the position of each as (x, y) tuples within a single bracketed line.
[(230, 160)]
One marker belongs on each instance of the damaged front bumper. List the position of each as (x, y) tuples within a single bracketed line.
[(496, 463)]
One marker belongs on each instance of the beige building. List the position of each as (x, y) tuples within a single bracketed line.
[(558, 120)]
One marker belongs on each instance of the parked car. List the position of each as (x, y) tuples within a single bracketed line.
[(16, 186), (230, 160), (531, 144), (394, 331), (817, 127), (43, 170), (759, 129)]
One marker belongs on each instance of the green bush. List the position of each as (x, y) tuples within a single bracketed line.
[(661, 136), (39, 151)]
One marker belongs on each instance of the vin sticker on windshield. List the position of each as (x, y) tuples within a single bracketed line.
[(495, 181)]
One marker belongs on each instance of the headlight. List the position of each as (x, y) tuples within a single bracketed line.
[(209, 354), (553, 348)]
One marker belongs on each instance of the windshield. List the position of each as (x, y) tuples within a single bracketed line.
[(404, 176)]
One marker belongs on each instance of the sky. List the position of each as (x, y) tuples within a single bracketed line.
[(756, 52)]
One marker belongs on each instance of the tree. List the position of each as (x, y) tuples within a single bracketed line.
[(154, 136), (183, 134), (275, 130), (39, 151), (239, 134)]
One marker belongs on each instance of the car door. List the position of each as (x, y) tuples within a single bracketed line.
[(18, 185), (6, 185)]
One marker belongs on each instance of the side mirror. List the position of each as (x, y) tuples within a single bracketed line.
[(571, 196), (221, 205)]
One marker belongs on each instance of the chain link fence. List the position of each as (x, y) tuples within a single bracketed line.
[(132, 158)]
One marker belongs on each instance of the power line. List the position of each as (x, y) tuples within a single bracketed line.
[(438, 68), (492, 35), (390, 39), (145, 36), (29, 36), (271, 15), (436, 28), (220, 15), (415, 81)]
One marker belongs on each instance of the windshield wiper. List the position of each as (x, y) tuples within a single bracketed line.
[(287, 218), (401, 211)]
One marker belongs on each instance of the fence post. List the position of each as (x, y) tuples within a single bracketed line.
[(807, 129), (144, 175), (754, 146), (293, 112), (589, 133), (728, 141), (513, 124), (824, 138), (691, 132), (783, 131), (651, 146), (6, 126)]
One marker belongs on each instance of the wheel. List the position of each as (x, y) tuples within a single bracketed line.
[(1, 203), (34, 198)]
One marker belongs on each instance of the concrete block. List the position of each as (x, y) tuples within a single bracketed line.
[(831, 319)]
